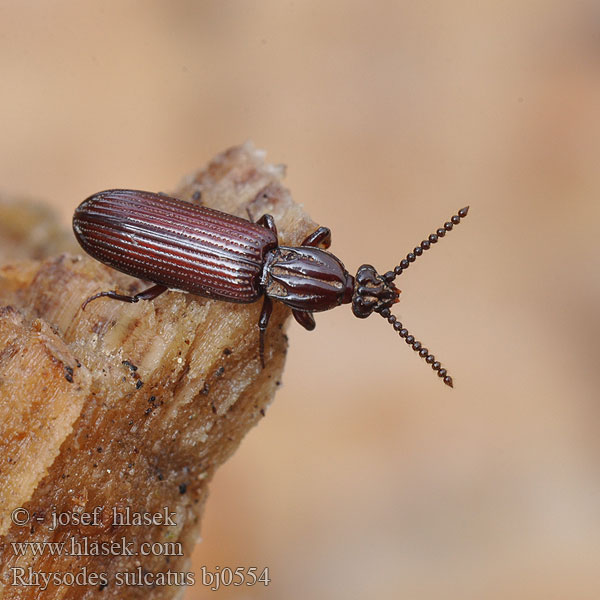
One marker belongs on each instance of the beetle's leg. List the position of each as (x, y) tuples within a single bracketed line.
[(149, 294), (263, 321), (321, 237), (305, 318), (268, 222)]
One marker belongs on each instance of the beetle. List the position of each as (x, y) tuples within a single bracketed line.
[(184, 246)]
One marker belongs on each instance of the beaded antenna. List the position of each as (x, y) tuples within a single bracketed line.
[(377, 293), (404, 264)]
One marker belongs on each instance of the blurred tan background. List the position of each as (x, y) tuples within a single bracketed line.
[(390, 117)]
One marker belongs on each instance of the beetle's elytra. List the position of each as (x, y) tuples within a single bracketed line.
[(184, 246)]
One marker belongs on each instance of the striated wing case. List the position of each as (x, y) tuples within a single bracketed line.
[(175, 243)]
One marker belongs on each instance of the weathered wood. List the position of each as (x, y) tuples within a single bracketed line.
[(166, 391)]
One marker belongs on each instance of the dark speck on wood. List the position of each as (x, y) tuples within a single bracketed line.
[(69, 373)]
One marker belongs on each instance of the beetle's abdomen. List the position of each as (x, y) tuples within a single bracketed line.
[(175, 243)]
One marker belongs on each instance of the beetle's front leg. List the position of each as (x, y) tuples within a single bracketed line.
[(319, 238), (305, 318), (149, 294), (263, 321)]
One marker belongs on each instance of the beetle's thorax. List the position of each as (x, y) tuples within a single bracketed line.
[(306, 278)]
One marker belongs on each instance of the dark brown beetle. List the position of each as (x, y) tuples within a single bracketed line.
[(182, 246)]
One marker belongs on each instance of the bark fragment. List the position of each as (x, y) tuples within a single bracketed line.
[(165, 393)]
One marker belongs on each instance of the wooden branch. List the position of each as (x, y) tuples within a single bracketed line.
[(128, 407)]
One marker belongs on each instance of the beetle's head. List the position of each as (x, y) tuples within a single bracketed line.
[(372, 292)]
